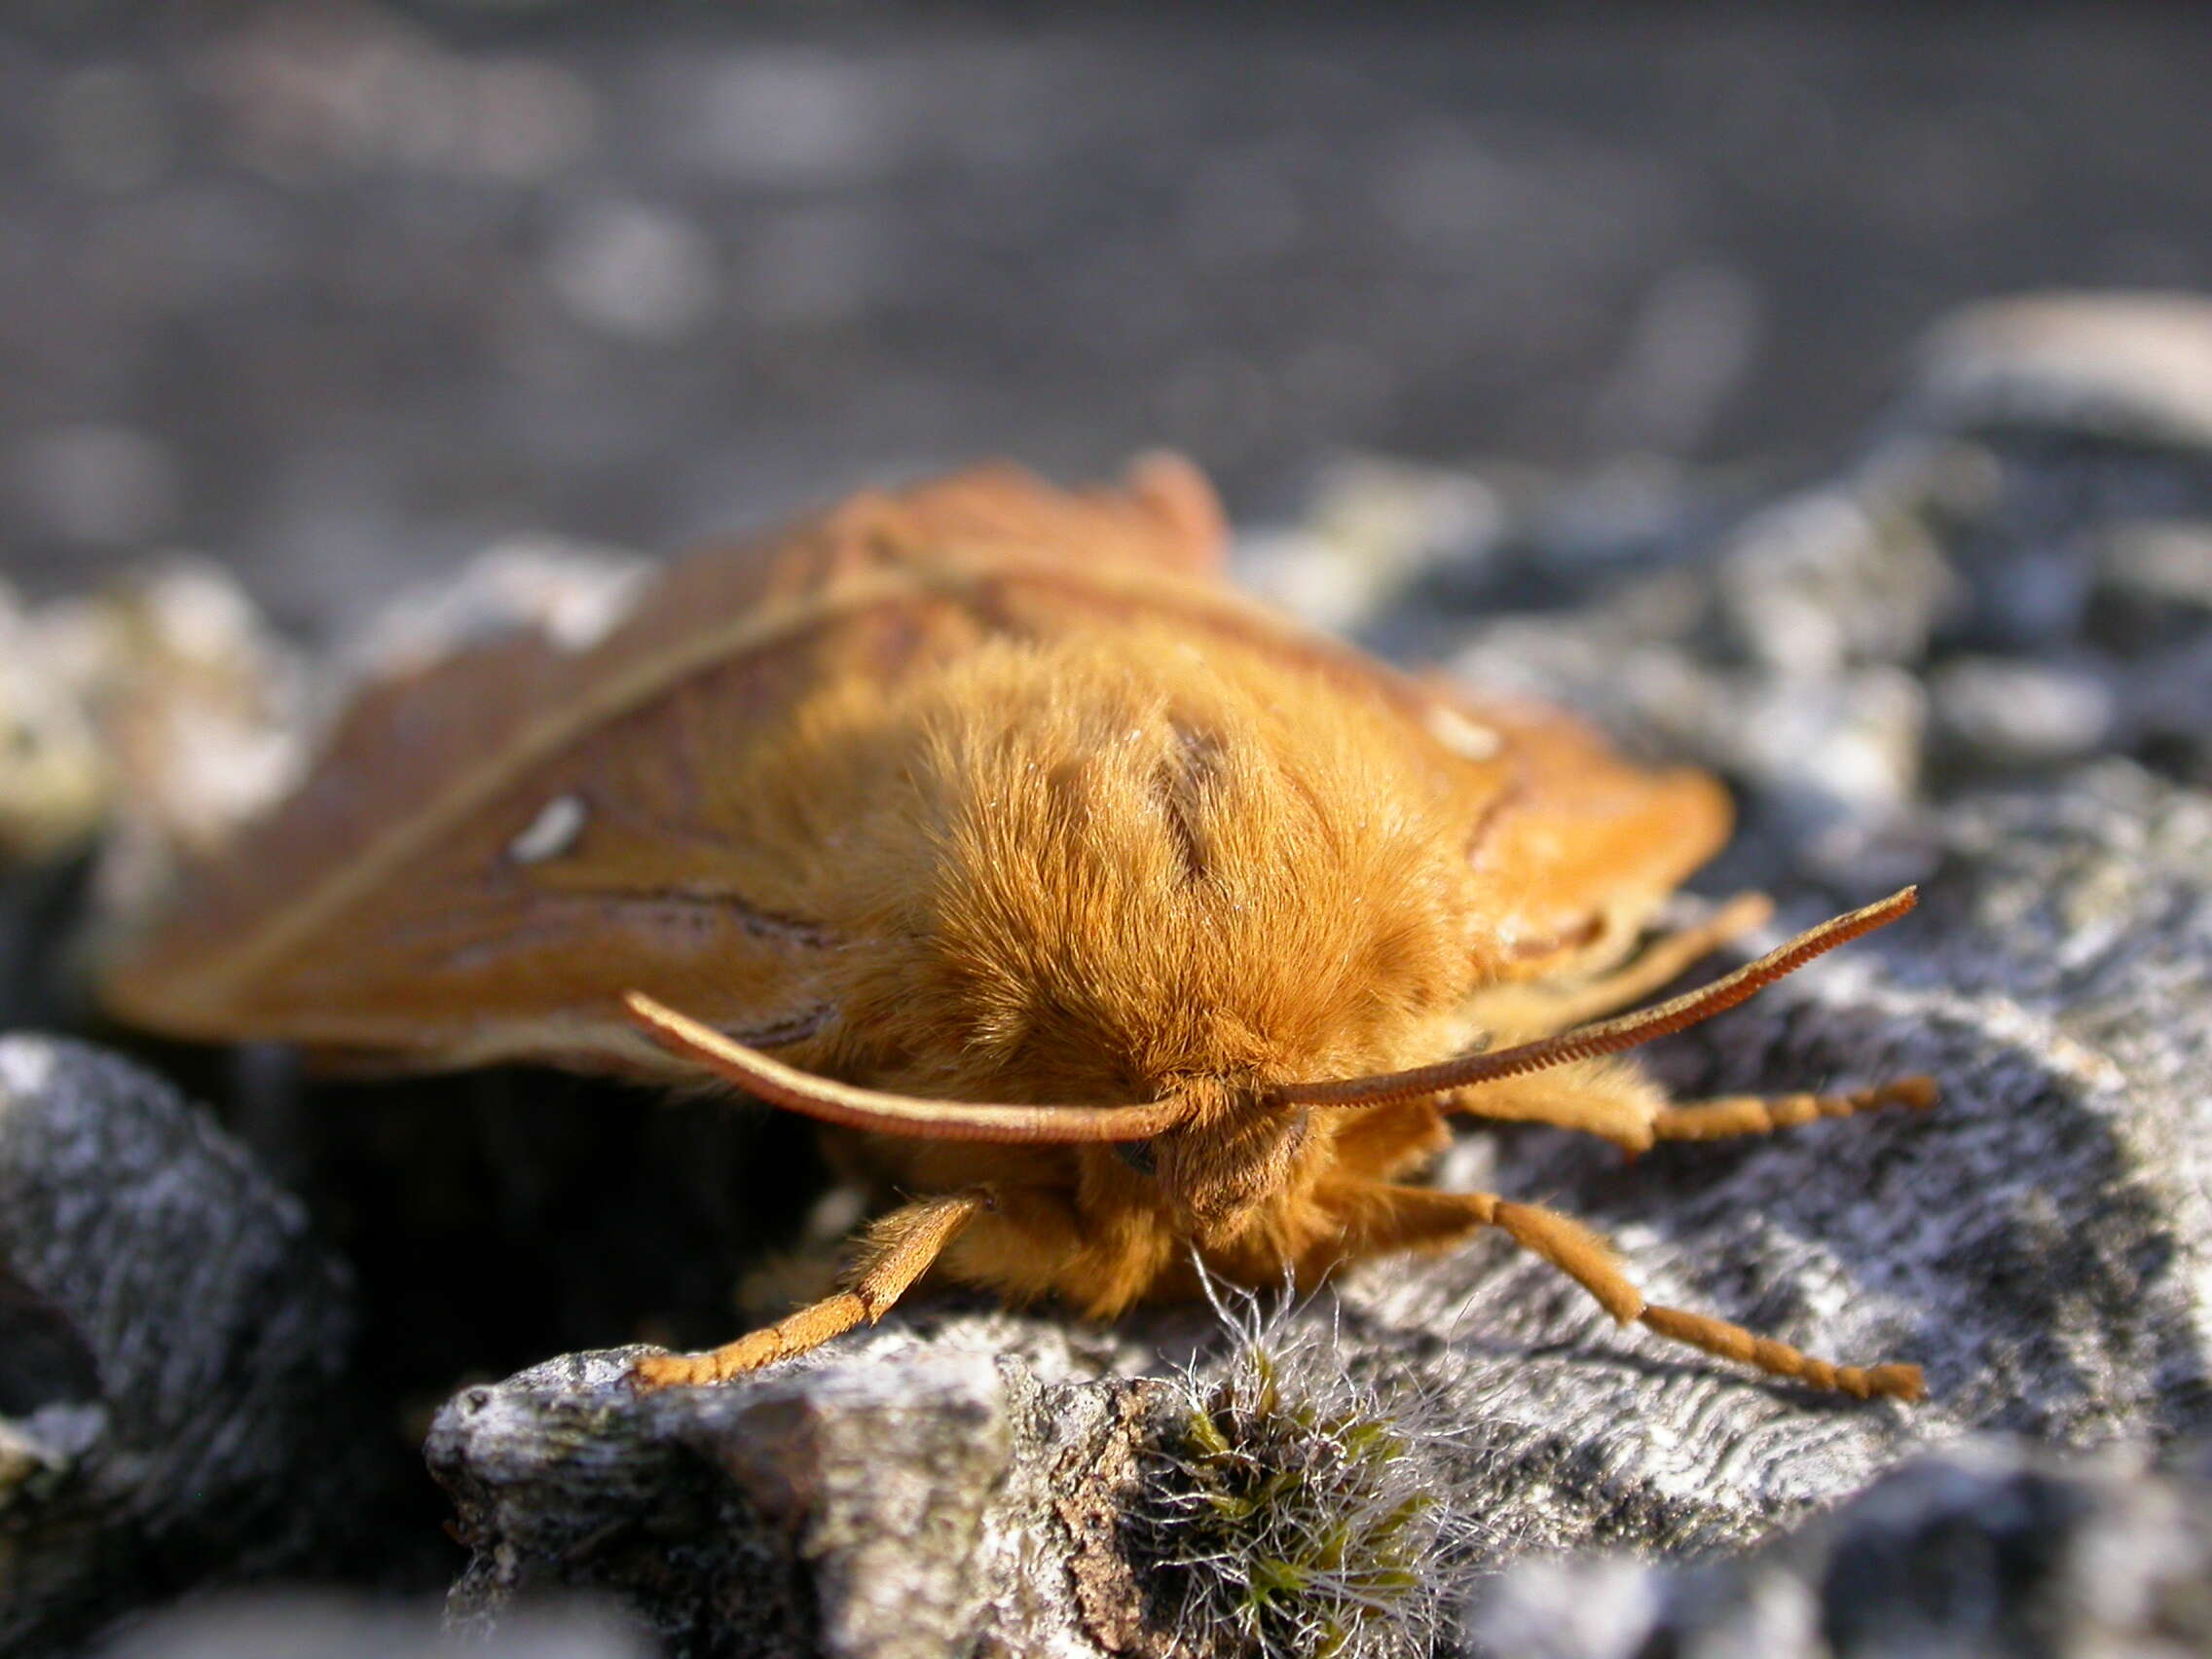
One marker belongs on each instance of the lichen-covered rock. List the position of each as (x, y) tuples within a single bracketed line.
[(1993, 1548), (893, 1497), (173, 1347)]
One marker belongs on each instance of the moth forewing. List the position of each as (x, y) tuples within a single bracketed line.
[(1103, 912)]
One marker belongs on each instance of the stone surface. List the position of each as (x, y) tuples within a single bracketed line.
[(173, 1348), (1995, 1548), (978, 1483), (2135, 368), (289, 1625), (893, 1498)]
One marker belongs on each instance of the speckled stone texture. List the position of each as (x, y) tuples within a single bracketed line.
[(174, 1354), (293, 1624), (1991, 1549), (910, 1498)]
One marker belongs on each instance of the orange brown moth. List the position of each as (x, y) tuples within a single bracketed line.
[(1120, 928)]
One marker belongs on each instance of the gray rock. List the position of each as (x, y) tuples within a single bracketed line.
[(895, 1496), (2131, 367), (978, 1483), (173, 1346), (282, 1625), (2014, 712), (1994, 1548), (1844, 574)]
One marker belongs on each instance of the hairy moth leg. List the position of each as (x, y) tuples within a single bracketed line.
[(1382, 1218), (1731, 1115), (898, 1250), (1609, 1098), (1392, 1140), (1613, 1099)]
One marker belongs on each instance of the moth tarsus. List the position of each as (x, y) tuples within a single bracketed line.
[(1118, 927)]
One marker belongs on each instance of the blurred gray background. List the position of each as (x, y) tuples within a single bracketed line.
[(338, 291)]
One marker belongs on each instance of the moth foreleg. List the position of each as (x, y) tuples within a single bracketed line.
[(1392, 1139), (1406, 1217), (1610, 1099), (898, 1250)]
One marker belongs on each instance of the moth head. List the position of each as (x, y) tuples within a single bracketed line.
[(1234, 1150), (1115, 892)]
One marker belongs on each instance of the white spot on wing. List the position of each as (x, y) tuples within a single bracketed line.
[(552, 832), (1461, 735)]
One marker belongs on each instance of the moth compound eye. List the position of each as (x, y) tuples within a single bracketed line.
[(552, 832)]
